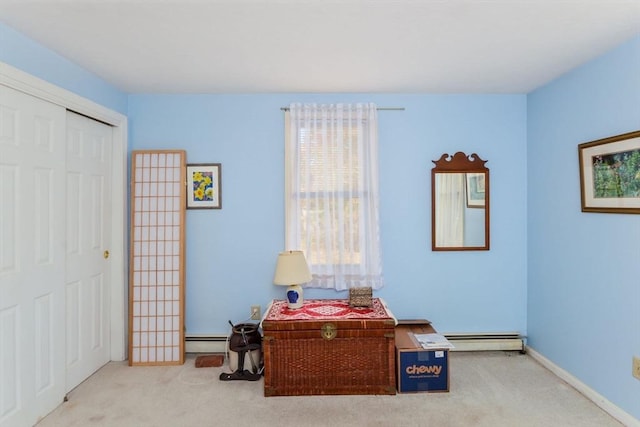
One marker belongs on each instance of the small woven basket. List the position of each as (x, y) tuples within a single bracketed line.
[(360, 297)]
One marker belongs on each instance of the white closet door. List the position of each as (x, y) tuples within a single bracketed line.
[(32, 257), (88, 230)]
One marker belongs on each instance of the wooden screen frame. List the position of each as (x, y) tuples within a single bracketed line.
[(156, 332)]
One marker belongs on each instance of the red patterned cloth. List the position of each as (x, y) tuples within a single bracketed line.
[(327, 309)]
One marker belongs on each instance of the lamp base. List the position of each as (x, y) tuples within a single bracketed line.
[(294, 297)]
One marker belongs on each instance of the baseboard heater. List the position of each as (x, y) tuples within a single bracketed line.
[(487, 341), (461, 341), (206, 343)]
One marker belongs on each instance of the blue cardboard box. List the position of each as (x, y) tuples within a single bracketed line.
[(419, 369)]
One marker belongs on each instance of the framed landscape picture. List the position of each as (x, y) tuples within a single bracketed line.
[(475, 189), (610, 174), (204, 186)]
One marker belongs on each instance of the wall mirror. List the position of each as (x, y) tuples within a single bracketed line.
[(460, 203)]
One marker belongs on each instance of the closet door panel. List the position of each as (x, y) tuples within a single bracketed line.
[(32, 257), (88, 278)]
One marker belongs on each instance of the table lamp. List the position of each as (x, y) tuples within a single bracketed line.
[(292, 270)]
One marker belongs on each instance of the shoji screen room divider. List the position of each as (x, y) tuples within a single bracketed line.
[(157, 276)]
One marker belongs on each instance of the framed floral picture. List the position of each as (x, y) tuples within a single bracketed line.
[(610, 174), (204, 186)]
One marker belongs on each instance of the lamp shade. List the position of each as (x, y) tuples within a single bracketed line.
[(291, 269)]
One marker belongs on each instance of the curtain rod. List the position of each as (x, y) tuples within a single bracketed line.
[(377, 108)]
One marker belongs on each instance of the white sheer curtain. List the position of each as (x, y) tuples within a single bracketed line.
[(450, 209), (331, 190)]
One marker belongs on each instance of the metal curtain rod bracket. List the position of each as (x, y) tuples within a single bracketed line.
[(377, 108)]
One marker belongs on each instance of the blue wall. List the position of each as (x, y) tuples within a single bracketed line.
[(584, 268), (232, 252), (31, 57)]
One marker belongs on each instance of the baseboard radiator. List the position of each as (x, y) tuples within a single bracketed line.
[(461, 342), (206, 343), (487, 341)]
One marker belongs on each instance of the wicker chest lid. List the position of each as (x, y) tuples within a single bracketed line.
[(317, 312)]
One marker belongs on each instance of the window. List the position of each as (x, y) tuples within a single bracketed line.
[(331, 180)]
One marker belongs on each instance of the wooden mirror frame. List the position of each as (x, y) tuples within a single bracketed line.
[(460, 163)]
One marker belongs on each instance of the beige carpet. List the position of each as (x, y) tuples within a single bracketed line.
[(487, 389)]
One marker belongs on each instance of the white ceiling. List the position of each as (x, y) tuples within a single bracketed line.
[(398, 46)]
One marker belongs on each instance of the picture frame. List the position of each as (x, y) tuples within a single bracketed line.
[(204, 186), (475, 189), (610, 174)]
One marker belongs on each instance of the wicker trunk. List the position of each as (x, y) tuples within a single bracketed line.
[(345, 353)]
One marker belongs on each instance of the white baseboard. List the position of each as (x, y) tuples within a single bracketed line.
[(587, 391)]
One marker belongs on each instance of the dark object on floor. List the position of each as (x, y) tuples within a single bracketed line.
[(244, 339), (209, 361)]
